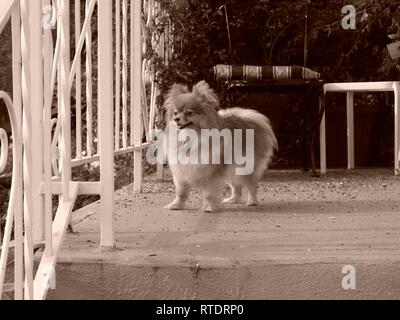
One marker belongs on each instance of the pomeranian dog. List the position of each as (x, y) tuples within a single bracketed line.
[(250, 131)]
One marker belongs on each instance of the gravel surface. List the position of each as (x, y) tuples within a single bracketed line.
[(368, 185)]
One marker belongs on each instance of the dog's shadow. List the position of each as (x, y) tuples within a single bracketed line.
[(236, 208), (306, 207)]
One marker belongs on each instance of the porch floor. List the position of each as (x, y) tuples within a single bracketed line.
[(292, 246)]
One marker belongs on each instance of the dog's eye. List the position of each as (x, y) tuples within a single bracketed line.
[(175, 113), (188, 113)]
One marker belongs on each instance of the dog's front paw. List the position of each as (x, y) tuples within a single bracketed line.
[(251, 203), (233, 200), (174, 205), (208, 208)]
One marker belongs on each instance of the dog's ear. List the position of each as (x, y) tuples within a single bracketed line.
[(203, 91), (175, 90)]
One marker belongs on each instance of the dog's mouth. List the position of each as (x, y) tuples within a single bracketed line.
[(183, 126)]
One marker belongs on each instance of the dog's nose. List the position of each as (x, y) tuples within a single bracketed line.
[(177, 119)]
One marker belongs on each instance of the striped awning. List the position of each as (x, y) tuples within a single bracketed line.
[(224, 72)]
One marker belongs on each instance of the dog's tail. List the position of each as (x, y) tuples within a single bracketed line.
[(264, 137)]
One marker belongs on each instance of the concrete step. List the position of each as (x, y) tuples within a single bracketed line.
[(294, 245)]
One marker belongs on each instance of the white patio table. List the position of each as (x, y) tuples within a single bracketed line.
[(350, 88)]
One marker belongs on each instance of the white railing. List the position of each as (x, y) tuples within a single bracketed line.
[(10, 9), (45, 149)]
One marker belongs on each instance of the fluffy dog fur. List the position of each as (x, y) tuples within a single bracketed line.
[(198, 110)]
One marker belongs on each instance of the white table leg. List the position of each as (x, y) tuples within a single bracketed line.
[(396, 89), (322, 145), (350, 130), (160, 172)]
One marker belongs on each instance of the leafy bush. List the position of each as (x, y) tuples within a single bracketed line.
[(268, 32)]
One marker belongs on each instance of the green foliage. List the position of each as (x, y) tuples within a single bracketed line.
[(272, 32)]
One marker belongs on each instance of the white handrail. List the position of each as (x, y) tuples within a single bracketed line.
[(6, 9), (47, 126), (17, 100), (105, 124), (89, 89), (83, 33), (15, 194), (78, 84), (117, 74), (136, 92), (27, 156), (125, 73), (39, 157)]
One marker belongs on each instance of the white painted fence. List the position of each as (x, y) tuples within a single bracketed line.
[(113, 122)]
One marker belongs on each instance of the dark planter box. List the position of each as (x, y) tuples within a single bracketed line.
[(272, 105), (368, 125), (285, 110)]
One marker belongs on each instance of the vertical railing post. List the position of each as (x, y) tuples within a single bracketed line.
[(36, 67), (105, 116), (125, 73), (89, 89), (64, 12), (396, 90), (47, 156), (322, 141), (117, 71), (136, 89), (350, 129), (17, 102), (27, 156), (78, 83)]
